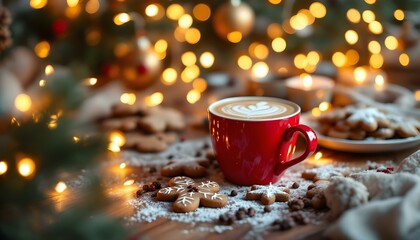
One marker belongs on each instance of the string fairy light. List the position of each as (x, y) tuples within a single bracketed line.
[(3, 167), (60, 187), (26, 167)]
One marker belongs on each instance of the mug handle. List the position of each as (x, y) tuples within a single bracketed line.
[(311, 143)]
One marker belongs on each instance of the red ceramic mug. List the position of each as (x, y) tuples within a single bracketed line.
[(254, 138)]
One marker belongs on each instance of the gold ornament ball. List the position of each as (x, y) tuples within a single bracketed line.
[(233, 16), (143, 67)]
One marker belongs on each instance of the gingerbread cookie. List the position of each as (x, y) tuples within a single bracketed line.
[(188, 195), (368, 119), (161, 119), (124, 110), (148, 129), (147, 143), (324, 173), (361, 122), (268, 194), (123, 124), (315, 193), (192, 168), (404, 127)]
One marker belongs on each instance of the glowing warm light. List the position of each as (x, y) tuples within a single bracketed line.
[(190, 73), (379, 82), (318, 10), (121, 18), (152, 10), (376, 61), (14, 121), (201, 12), (113, 147), (154, 99), (93, 37), (52, 124), (73, 12), (123, 165), (49, 69), (192, 35), (76, 139), (117, 137), (351, 37), (339, 59), (72, 3), (318, 155), (92, 6), (417, 95), (299, 21), (376, 27), (122, 49), (185, 21), (42, 49), (370, 1), (161, 46), (360, 75), (353, 15), (23, 102), (42, 83), (244, 62), (193, 96), (200, 85), (278, 44), (188, 58), (300, 61), (324, 106), (313, 58), (60, 187), (275, 1), (352, 57), (3, 167), (404, 59), (174, 11), (316, 112), (399, 14), (128, 98), (128, 182), (274, 30), (26, 167), (234, 37), (169, 76), (374, 47), (260, 70), (307, 81), (38, 4), (91, 81), (368, 16), (261, 51), (207, 59), (391, 42)]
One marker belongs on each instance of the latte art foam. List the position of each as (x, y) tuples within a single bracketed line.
[(262, 109), (253, 108)]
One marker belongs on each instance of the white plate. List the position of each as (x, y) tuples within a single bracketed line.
[(362, 146)]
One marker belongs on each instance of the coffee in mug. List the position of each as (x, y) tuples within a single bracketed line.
[(254, 138)]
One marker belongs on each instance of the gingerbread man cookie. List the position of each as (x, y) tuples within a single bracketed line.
[(188, 195), (268, 194), (192, 168)]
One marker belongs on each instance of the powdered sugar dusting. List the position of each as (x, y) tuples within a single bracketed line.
[(148, 209)]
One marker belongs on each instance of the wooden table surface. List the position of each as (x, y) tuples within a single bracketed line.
[(163, 228)]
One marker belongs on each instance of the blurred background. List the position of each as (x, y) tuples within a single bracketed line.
[(66, 62)]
